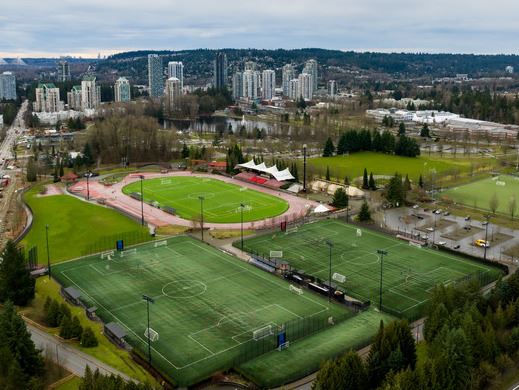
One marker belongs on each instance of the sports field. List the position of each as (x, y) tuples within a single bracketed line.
[(479, 193), (221, 200), (207, 307), (409, 273)]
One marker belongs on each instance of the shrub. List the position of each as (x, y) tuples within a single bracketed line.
[(88, 338)]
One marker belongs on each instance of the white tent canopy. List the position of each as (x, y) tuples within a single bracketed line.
[(273, 170), (248, 165), (321, 209), (283, 175)]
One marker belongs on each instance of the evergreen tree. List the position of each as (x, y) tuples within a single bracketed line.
[(329, 148), (347, 372), (66, 328), (346, 180), (185, 151), (88, 160), (372, 185), (340, 198), (327, 173), (424, 132), (32, 172), (395, 192), (407, 183), (75, 328), (16, 283), (420, 181), (88, 338), (365, 182), (401, 128), (364, 213)]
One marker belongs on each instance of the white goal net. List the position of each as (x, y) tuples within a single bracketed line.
[(165, 181), (151, 334), (261, 333), (160, 243), (291, 230), (276, 254), (339, 277), (295, 290), (283, 346), (107, 255), (129, 252)]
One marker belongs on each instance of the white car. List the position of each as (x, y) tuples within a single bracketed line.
[(442, 243)]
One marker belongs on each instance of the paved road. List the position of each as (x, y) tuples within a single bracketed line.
[(67, 356), (17, 128)]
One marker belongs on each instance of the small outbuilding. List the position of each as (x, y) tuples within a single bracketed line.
[(71, 295), (115, 334)]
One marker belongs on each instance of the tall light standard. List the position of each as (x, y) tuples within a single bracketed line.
[(48, 251), (330, 246), (142, 200), (382, 254), (202, 215), (486, 237), (304, 168), (87, 175), (148, 301), (242, 206)]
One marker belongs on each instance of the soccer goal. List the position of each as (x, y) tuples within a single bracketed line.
[(107, 255), (160, 243), (359, 233), (276, 254), (415, 244), (292, 230), (339, 277), (127, 252), (283, 346), (295, 290), (261, 333), (165, 181), (151, 334)]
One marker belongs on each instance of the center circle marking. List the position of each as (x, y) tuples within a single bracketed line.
[(187, 288)]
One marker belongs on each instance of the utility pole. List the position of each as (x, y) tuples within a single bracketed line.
[(304, 168), (330, 246), (88, 183), (381, 253), (242, 206), (202, 215), (148, 301), (142, 200), (486, 237), (48, 252)]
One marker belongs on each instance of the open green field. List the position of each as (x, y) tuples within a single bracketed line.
[(479, 193), (221, 200), (75, 226), (409, 273), (384, 164), (207, 305)]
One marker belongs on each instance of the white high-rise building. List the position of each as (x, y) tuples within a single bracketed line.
[(306, 86), (47, 99), (90, 93), (7, 86), (155, 76), (237, 85), (332, 88), (251, 84), (74, 98), (268, 84), (173, 92), (63, 71), (122, 90), (311, 68), (176, 69), (287, 75), (293, 89), (250, 65)]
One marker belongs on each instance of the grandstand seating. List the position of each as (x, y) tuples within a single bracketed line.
[(273, 183), (258, 180)]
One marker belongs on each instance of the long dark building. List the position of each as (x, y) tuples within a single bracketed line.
[(220, 70)]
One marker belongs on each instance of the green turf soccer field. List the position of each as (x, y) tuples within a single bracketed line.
[(479, 193), (221, 200), (409, 273), (207, 304)]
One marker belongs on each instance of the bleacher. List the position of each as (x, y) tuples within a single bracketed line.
[(244, 176), (259, 180), (273, 183), (262, 265)]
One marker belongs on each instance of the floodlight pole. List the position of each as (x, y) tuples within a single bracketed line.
[(330, 246), (142, 200), (48, 253), (304, 168), (148, 300), (382, 254), (242, 206), (88, 183), (486, 237), (202, 215)]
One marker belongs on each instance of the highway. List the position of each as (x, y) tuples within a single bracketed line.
[(16, 129)]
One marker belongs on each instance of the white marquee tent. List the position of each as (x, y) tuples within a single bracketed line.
[(273, 170)]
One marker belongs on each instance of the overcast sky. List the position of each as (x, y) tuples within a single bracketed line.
[(87, 27)]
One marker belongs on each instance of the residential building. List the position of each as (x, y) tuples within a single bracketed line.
[(74, 98), (155, 76), (63, 71), (237, 85), (173, 92), (287, 75), (90, 93), (268, 84), (1, 121), (251, 85), (306, 86), (311, 67), (332, 88), (220, 71), (293, 89), (47, 99), (122, 90), (250, 65), (176, 69), (7, 86)]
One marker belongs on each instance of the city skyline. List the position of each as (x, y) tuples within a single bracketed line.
[(455, 26)]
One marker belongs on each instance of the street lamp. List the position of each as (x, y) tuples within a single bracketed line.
[(304, 168), (148, 301), (242, 206), (486, 237), (382, 254), (87, 175), (48, 253), (330, 246), (142, 200), (201, 198)]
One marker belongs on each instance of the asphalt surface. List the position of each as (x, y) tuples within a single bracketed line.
[(6, 147)]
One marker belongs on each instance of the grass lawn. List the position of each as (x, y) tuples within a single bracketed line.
[(76, 227), (71, 384), (207, 305), (383, 164), (409, 273), (221, 200), (277, 368), (478, 194)]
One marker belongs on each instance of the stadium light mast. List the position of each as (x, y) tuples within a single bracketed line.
[(48, 252), (142, 200), (304, 168), (148, 301), (330, 246), (87, 175), (202, 215), (382, 254), (242, 206), (486, 237)]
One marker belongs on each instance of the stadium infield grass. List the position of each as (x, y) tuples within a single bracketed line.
[(207, 305), (75, 226), (409, 273), (221, 200), (478, 194)]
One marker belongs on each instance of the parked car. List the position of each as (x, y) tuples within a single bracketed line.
[(442, 243), (430, 229), (456, 246), (467, 218), (482, 243), (446, 213)]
